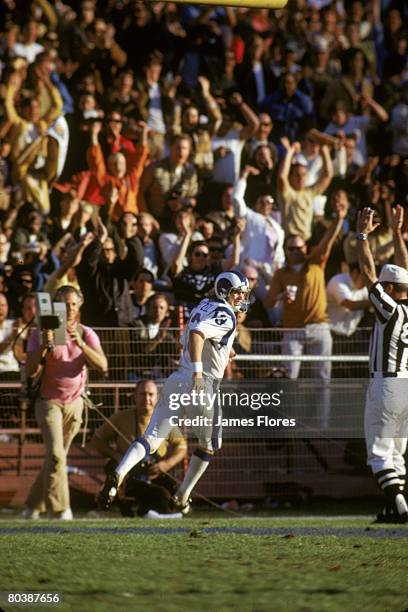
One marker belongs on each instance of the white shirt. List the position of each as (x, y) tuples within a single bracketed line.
[(226, 169), (169, 245), (259, 80), (399, 128), (60, 131), (29, 52), (262, 238), (216, 321), (8, 362), (356, 124), (155, 119), (342, 320)]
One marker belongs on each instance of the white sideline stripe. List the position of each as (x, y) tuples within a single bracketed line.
[(341, 358)]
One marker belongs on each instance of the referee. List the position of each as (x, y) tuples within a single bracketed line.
[(386, 412)]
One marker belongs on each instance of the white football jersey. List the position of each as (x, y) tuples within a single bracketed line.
[(217, 323)]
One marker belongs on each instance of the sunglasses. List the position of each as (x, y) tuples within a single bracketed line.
[(108, 249), (294, 248), (266, 123), (216, 250), (200, 254)]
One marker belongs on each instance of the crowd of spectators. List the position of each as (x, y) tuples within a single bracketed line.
[(144, 147)]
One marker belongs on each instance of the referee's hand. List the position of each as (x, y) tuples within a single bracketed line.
[(365, 221), (397, 218)]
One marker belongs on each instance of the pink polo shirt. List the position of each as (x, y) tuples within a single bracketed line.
[(64, 376)]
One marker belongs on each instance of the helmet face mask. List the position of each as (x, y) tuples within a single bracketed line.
[(232, 287)]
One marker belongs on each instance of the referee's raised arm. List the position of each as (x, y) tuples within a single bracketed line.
[(400, 249), (366, 225)]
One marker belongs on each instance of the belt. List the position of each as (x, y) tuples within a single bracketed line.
[(389, 375)]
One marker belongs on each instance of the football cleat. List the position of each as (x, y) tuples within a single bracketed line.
[(391, 518), (180, 507), (108, 491)]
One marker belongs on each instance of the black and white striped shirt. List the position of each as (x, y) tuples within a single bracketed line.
[(389, 341)]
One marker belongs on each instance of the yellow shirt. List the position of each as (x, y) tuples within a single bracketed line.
[(310, 304), (297, 211), (127, 423)]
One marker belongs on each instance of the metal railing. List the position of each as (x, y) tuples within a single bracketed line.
[(245, 468)]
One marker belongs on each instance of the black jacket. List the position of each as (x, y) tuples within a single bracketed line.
[(105, 286)]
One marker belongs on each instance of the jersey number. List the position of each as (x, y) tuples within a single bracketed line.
[(404, 333)]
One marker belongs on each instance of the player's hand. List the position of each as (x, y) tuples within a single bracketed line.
[(198, 382), (397, 218), (365, 221)]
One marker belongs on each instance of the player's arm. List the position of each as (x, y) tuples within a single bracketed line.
[(400, 249), (366, 225), (195, 348)]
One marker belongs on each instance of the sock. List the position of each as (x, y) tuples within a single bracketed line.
[(134, 454), (196, 469)]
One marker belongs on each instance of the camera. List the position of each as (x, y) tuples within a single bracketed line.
[(52, 316)]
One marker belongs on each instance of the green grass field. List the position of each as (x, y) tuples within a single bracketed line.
[(208, 564)]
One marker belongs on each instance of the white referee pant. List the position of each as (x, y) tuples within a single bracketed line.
[(170, 408), (386, 424)]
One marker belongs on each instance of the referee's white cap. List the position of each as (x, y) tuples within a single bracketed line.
[(393, 274)]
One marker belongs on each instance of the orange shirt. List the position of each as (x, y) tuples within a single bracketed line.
[(128, 186), (310, 305)]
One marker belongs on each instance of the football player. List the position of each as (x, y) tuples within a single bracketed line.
[(207, 347)]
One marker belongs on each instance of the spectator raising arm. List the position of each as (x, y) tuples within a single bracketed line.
[(326, 244), (213, 110), (400, 249), (251, 120), (232, 261), (327, 171), (178, 263), (291, 151), (377, 109)]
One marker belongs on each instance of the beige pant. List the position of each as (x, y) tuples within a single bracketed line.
[(59, 425)]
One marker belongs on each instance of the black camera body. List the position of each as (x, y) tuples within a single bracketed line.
[(50, 321)]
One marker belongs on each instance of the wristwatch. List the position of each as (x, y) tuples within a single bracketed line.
[(362, 236)]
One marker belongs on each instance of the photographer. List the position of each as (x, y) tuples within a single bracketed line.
[(59, 405), (148, 483)]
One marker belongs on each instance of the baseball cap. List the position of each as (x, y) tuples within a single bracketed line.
[(299, 160), (393, 274), (320, 44)]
